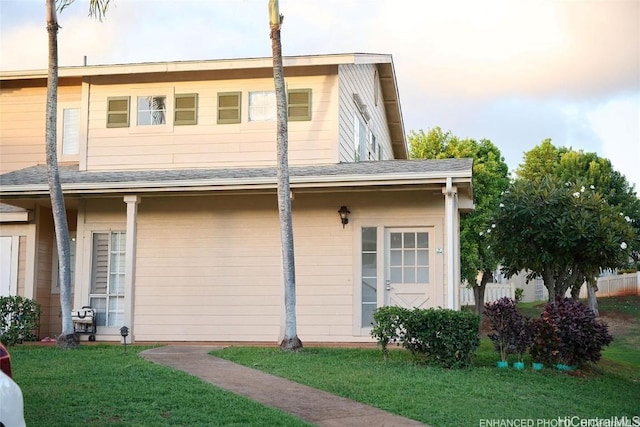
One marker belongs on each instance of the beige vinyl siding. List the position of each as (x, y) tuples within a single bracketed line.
[(359, 78), (208, 268), (49, 321), (22, 123), (209, 144)]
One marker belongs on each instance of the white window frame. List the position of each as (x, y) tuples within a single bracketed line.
[(157, 115), (262, 106), (70, 138)]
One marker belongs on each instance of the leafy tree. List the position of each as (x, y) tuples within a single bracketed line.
[(290, 340), (566, 217), (490, 178), (67, 338)]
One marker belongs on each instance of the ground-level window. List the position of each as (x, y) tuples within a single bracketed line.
[(107, 277), (369, 274)]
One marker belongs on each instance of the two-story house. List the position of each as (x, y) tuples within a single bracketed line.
[(169, 176)]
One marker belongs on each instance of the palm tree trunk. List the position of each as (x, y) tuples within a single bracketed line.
[(290, 340), (67, 338)]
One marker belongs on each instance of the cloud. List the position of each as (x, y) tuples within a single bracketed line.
[(617, 124)]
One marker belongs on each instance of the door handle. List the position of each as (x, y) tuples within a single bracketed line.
[(387, 284)]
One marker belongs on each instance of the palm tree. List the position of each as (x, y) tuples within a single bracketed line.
[(67, 339), (290, 340)]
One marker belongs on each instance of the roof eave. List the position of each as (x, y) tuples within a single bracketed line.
[(200, 65), (235, 184)]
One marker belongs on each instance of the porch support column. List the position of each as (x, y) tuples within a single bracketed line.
[(452, 252), (130, 261)]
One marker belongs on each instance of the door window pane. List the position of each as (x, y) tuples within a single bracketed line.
[(369, 237), (369, 290), (100, 306), (396, 274), (367, 314), (396, 240), (396, 258), (423, 240), (116, 311), (409, 275), (423, 274), (368, 265), (369, 272), (409, 240), (409, 257)]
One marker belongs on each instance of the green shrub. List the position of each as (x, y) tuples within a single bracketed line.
[(386, 326), (19, 320), (518, 295), (440, 337)]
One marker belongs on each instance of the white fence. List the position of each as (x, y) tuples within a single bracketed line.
[(613, 286), (493, 291)]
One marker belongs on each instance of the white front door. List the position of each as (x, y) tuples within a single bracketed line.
[(408, 277)]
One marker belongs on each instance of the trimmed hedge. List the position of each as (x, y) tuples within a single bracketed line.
[(19, 320), (440, 337)]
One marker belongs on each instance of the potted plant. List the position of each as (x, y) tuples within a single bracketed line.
[(545, 343), (521, 337)]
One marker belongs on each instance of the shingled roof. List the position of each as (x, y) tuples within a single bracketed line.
[(33, 180)]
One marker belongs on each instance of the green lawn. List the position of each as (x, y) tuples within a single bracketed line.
[(99, 385), (443, 397)]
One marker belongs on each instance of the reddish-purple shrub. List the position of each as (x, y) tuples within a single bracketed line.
[(581, 336), (510, 332)]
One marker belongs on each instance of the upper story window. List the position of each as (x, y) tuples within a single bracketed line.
[(229, 107), (70, 131), (186, 109), (152, 110), (156, 110), (118, 112), (262, 106), (299, 104)]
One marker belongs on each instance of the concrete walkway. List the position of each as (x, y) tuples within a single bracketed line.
[(312, 405)]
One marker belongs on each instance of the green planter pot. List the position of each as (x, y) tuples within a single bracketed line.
[(518, 365), (537, 366), (502, 364), (563, 367)]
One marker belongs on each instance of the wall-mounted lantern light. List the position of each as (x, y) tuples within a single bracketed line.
[(344, 215), (124, 331)]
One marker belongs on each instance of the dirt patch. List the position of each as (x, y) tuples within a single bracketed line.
[(619, 323)]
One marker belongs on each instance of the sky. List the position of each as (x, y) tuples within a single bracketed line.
[(512, 71)]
